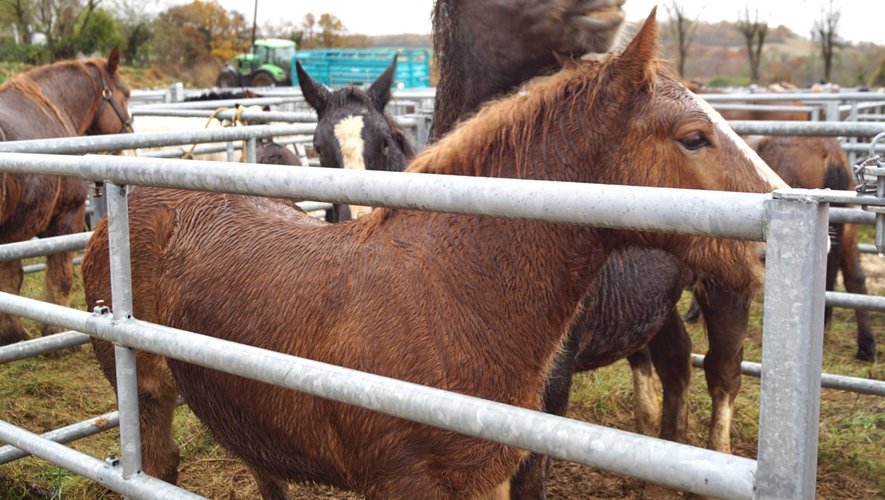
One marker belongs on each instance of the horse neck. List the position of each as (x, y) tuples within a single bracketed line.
[(72, 92), (522, 279)]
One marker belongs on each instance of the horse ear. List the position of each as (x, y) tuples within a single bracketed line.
[(636, 62), (314, 93), (114, 60), (379, 91)]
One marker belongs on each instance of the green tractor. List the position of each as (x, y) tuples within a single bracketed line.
[(267, 66)]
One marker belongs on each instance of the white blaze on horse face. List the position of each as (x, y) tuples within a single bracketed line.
[(349, 133), (765, 172)]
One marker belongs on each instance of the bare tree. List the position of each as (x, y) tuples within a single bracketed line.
[(825, 32), (683, 30), (754, 33), (19, 14)]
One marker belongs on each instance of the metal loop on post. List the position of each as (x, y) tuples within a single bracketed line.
[(873, 167)]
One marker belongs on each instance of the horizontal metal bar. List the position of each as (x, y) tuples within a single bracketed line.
[(36, 268), (839, 215), (828, 196), (763, 107), (683, 211), (44, 246), (213, 148), (828, 380), (672, 464), (41, 345), (66, 434), (114, 142), (855, 301), (766, 127), (218, 103), (867, 248), (249, 116), (794, 96), (140, 486)]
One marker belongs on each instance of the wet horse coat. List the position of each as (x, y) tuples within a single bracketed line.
[(64, 99), (411, 290)]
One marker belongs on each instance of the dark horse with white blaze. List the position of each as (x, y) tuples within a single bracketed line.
[(471, 304), (70, 98), (354, 131)]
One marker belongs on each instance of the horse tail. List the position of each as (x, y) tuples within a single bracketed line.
[(837, 174)]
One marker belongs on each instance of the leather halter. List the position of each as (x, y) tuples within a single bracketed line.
[(108, 97)]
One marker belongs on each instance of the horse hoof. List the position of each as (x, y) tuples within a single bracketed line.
[(866, 354)]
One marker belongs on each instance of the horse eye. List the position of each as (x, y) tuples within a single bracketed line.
[(694, 141), (317, 150), (385, 148)]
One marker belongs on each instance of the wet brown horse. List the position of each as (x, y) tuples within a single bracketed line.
[(70, 98), (415, 305), (633, 302)]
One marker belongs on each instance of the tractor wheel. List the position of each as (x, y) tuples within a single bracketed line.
[(263, 79), (228, 79)]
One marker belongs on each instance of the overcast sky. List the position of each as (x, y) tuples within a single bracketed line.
[(861, 20)]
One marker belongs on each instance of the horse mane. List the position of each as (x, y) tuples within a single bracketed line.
[(512, 120), (26, 85)]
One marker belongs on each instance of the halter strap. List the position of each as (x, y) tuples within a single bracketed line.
[(108, 97)]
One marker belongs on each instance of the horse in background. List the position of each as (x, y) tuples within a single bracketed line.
[(353, 130), (69, 98), (474, 287), (820, 162)]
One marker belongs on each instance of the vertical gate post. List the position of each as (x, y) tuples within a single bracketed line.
[(792, 345), (250, 155), (121, 294)]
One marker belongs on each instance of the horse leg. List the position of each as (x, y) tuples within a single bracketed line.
[(157, 396), (11, 276), (646, 410), (855, 282), (670, 352), (269, 486), (726, 316), (70, 218), (530, 479), (834, 259)]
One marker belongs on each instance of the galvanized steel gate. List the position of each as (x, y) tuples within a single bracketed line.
[(793, 223)]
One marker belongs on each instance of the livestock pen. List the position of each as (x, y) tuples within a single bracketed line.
[(560, 440)]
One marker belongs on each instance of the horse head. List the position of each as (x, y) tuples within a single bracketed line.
[(619, 119), (353, 131), (112, 109)]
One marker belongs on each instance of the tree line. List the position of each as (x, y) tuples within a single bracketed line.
[(191, 40)]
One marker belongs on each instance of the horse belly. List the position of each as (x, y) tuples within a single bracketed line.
[(28, 212)]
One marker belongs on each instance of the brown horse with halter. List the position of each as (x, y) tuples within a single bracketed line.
[(471, 304), (70, 98)]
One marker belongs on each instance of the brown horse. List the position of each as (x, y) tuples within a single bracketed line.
[(820, 162), (447, 333), (633, 303), (70, 98)]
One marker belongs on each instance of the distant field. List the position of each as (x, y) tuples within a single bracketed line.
[(136, 78)]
